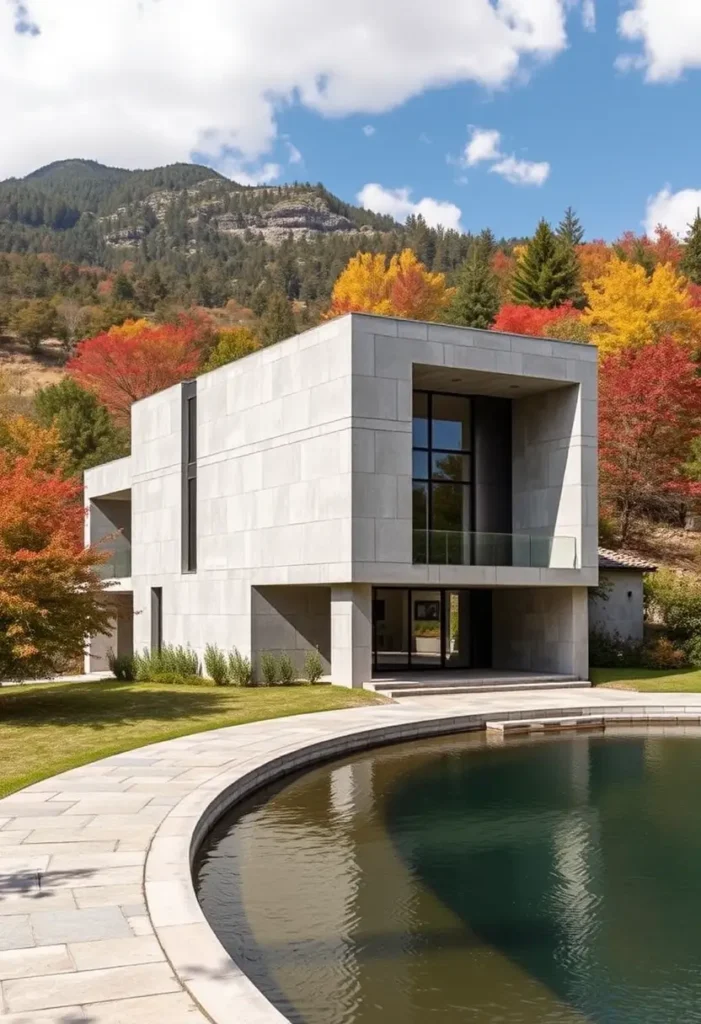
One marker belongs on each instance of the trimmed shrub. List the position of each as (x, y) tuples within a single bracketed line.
[(610, 650), (693, 651), (675, 599), (269, 669), (286, 670), (313, 666), (663, 653), (179, 661), (216, 664), (122, 666), (175, 679), (240, 669)]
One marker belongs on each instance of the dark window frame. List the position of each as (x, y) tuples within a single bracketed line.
[(156, 619), (430, 452), (189, 477)]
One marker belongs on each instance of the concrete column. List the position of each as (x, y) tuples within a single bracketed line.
[(351, 634), (580, 632)]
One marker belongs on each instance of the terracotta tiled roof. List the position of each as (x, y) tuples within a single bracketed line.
[(622, 560)]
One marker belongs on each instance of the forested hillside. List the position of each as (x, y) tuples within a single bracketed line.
[(190, 236)]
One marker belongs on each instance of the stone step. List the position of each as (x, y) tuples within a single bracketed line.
[(597, 720), (485, 683), (438, 691)]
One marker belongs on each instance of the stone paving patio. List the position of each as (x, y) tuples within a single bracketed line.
[(99, 923)]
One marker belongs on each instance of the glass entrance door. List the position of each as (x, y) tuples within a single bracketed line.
[(390, 627), (456, 628), (426, 629)]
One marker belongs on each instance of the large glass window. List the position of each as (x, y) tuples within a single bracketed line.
[(442, 471)]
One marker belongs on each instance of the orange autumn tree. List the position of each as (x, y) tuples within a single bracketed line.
[(403, 288), (137, 359), (51, 598), (592, 259)]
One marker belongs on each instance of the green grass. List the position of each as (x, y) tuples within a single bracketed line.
[(46, 729), (649, 680)]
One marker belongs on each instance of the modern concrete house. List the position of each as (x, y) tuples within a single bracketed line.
[(401, 495)]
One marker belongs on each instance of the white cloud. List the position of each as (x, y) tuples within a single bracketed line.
[(670, 34), (674, 210), (522, 172), (484, 145), (144, 82), (397, 203), (425, 139), (368, 130), (293, 154), (261, 174), (589, 15)]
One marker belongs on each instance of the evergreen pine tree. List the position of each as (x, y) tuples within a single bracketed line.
[(84, 425), (690, 264), (570, 229), (122, 289), (546, 275), (277, 322), (476, 301)]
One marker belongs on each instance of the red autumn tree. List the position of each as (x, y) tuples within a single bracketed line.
[(137, 359), (503, 266), (51, 598), (667, 247), (517, 319), (649, 413), (694, 291)]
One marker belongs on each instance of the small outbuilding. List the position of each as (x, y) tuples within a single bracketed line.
[(617, 605)]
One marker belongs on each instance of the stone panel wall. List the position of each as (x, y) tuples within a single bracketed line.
[(542, 629)]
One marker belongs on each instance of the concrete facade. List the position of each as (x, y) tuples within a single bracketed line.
[(304, 480)]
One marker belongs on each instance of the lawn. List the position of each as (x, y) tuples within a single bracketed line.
[(48, 729), (648, 680)]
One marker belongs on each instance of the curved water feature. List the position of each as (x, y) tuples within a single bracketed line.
[(449, 880)]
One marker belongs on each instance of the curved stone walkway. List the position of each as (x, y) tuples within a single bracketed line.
[(99, 923)]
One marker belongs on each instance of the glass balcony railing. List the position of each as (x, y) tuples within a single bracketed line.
[(118, 566), (523, 550)]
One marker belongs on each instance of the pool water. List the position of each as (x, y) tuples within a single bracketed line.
[(554, 881)]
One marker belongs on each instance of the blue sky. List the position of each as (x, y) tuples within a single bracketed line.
[(590, 103), (612, 140)]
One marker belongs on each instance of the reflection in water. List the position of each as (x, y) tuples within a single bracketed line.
[(448, 880)]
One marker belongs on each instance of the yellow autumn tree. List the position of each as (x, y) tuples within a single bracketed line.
[(130, 328), (628, 308), (24, 438), (403, 288)]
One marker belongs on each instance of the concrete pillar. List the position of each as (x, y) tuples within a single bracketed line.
[(580, 632), (351, 634)]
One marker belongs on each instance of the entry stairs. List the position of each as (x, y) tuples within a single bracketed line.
[(426, 684)]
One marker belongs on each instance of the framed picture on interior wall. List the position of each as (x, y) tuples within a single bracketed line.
[(426, 611)]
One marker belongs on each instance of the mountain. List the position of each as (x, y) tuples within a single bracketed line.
[(209, 238), (81, 209)]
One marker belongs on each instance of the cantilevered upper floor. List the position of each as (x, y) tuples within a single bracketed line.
[(368, 449)]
